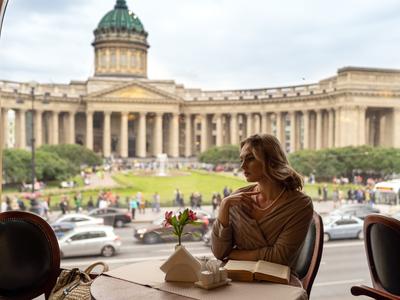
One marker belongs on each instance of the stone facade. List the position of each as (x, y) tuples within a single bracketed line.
[(120, 112)]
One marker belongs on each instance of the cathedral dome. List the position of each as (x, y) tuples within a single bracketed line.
[(120, 18)]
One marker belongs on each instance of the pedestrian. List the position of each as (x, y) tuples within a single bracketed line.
[(325, 193), (90, 204), (156, 202), (319, 193), (226, 192), (133, 206), (214, 201)]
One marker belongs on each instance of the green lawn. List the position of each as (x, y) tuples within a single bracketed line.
[(188, 182)]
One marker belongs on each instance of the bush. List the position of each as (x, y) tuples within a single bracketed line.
[(221, 155)]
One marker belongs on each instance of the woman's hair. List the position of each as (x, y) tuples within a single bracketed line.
[(267, 149)]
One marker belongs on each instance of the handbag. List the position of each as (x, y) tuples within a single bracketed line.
[(74, 284)]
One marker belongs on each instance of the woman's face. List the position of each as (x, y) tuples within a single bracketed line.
[(252, 168)]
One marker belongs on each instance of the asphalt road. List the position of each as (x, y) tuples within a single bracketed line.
[(343, 263)]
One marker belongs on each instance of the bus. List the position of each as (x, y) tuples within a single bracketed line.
[(387, 192)]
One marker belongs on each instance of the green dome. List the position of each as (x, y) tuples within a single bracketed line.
[(121, 18)]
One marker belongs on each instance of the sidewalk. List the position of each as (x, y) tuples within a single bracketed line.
[(322, 208)]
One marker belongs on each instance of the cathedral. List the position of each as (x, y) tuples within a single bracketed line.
[(120, 112)]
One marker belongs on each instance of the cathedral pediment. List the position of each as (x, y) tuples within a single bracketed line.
[(133, 91)]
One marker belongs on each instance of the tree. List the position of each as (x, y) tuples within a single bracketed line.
[(221, 155)]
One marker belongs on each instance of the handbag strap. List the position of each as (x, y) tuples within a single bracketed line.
[(89, 269)]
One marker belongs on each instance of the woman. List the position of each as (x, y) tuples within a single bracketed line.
[(268, 220)]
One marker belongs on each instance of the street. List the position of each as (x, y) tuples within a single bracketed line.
[(343, 263)]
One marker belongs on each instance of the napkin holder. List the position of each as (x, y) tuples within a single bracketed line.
[(181, 266)]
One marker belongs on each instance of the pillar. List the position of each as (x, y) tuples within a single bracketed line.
[(54, 128), (71, 128), (279, 127), (234, 129), (89, 130), (337, 127), (21, 142), (318, 134), (306, 133), (141, 136), (124, 134), (361, 125), (174, 136), (204, 138), (396, 127), (293, 131), (330, 129), (4, 120), (38, 128), (157, 134), (107, 134), (188, 135), (249, 124), (218, 121)]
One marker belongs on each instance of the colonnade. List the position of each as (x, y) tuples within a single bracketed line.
[(147, 134)]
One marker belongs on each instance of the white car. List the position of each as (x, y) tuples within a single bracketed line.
[(79, 220), (90, 240)]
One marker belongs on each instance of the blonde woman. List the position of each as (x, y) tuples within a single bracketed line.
[(267, 220)]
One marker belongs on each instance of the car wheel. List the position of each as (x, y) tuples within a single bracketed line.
[(197, 235), (360, 235), (107, 251), (326, 237), (151, 238), (119, 223)]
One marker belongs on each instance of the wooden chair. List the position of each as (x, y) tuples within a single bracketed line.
[(29, 256), (310, 255), (382, 245)]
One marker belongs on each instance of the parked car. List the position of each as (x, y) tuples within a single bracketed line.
[(357, 210), (343, 227), (112, 216), (156, 232), (90, 240), (79, 219)]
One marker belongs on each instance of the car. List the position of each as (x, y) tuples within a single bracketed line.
[(343, 227), (90, 240), (357, 210), (112, 216), (61, 228), (156, 232), (79, 219)]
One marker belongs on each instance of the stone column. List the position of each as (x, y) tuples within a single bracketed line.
[(124, 134), (174, 136), (38, 128), (107, 134), (318, 125), (264, 122), (4, 121), (89, 130), (54, 129), (293, 131), (188, 135), (279, 126), (361, 125), (396, 127), (234, 129), (306, 133), (141, 136), (337, 127), (249, 124), (157, 134), (330, 128), (218, 121), (204, 137), (21, 129), (71, 127)]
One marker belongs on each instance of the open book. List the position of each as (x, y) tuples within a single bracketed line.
[(243, 270)]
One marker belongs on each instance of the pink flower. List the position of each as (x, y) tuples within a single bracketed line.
[(192, 216)]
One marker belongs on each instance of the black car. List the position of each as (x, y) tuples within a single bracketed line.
[(357, 210), (112, 216)]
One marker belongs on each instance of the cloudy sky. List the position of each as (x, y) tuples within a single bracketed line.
[(208, 44)]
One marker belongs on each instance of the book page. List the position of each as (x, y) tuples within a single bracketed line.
[(273, 270), (241, 265)]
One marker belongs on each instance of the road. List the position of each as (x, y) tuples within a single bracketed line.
[(343, 263)]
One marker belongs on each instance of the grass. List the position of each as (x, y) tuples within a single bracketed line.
[(188, 182)]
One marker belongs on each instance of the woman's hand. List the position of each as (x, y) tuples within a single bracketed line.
[(243, 199)]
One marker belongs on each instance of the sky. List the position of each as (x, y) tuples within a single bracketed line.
[(207, 44)]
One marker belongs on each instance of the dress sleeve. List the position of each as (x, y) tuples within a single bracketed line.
[(286, 248), (221, 240)]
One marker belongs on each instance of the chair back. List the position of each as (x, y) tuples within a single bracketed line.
[(29, 256), (310, 254), (382, 245)]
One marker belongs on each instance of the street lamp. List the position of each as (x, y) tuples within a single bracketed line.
[(33, 85)]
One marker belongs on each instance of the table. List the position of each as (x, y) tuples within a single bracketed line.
[(145, 280)]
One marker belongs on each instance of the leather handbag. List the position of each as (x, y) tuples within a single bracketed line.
[(74, 284)]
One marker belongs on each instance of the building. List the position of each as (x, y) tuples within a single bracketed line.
[(120, 112)]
